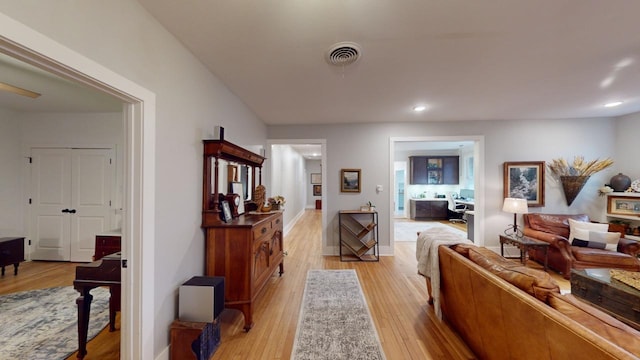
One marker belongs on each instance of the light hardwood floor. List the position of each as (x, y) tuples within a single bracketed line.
[(396, 296)]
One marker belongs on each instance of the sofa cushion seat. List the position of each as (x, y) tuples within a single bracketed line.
[(604, 325), (600, 256)]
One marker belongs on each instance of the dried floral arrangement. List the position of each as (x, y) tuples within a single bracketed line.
[(579, 167)]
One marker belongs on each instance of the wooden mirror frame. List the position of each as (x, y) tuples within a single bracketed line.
[(215, 150)]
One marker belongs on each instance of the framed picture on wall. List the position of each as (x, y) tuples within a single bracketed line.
[(350, 180), (525, 179), (316, 178), (317, 190)]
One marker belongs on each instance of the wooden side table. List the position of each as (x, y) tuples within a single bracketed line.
[(523, 244)]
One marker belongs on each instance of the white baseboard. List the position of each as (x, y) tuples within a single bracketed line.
[(164, 354)]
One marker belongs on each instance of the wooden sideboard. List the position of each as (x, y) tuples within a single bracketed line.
[(246, 252)]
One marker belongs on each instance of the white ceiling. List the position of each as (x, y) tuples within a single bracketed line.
[(466, 60), (57, 94)]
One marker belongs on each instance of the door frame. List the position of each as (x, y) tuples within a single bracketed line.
[(138, 305)]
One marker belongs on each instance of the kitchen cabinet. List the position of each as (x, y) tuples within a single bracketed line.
[(434, 170)]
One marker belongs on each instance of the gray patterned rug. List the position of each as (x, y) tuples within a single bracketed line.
[(43, 324), (335, 322)]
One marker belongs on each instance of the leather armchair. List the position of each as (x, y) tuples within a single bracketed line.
[(562, 256)]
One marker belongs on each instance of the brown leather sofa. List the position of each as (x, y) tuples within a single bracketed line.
[(503, 310), (562, 256)]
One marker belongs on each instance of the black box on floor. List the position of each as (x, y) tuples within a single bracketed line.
[(201, 299)]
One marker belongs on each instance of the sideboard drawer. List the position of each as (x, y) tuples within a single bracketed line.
[(261, 230)]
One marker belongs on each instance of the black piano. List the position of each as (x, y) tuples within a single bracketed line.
[(104, 272)]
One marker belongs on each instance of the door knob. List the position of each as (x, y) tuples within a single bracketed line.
[(73, 211), (65, 210)]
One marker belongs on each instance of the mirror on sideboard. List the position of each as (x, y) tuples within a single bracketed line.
[(226, 166)]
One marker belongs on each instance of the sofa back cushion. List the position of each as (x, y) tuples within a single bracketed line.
[(552, 223), (535, 282)]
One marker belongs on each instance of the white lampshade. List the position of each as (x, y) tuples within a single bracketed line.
[(515, 206)]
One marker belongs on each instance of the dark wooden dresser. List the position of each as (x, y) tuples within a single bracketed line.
[(11, 252)]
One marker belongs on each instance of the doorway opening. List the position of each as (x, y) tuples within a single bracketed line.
[(413, 194), (297, 173), (137, 321)]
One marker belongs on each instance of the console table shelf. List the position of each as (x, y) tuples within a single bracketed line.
[(358, 235)]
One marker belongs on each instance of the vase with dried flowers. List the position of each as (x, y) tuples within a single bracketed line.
[(574, 175), (277, 202)]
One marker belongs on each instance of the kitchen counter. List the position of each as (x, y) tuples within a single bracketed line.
[(429, 209)]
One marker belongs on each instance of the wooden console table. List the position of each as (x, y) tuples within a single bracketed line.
[(11, 252)]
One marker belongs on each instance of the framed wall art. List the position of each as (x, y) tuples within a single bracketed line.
[(623, 205), (525, 179), (316, 178), (317, 190), (350, 180)]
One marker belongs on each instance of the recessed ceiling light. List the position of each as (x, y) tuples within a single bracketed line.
[(419, 108), (613, 104)]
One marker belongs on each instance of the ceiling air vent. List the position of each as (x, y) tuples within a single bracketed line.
[(343, 53)]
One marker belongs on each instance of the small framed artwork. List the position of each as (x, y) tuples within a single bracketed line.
[(350, 180), (317, 190), (525, 179), (226, 211), (316, 178), (623, 205)]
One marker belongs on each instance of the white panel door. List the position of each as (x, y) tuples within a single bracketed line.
[(51, 197), (91, 179), (71, 200)]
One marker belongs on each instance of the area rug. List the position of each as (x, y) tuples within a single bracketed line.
[(335, 322), (43, 324), (408, 230)]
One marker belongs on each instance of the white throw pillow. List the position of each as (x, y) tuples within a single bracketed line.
[(583, 225), (596, 239)]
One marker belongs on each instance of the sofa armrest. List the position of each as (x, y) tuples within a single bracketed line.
[(556, 241), (629, 246)]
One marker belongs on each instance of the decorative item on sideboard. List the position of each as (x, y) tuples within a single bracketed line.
[(277, 202), (620, 182)]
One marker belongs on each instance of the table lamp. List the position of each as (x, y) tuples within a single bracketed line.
[(515, 206)]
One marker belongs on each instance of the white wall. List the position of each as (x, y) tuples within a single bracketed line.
[(190, 101), (11, 182), (366, 146), (626, 142), (287, 179)]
